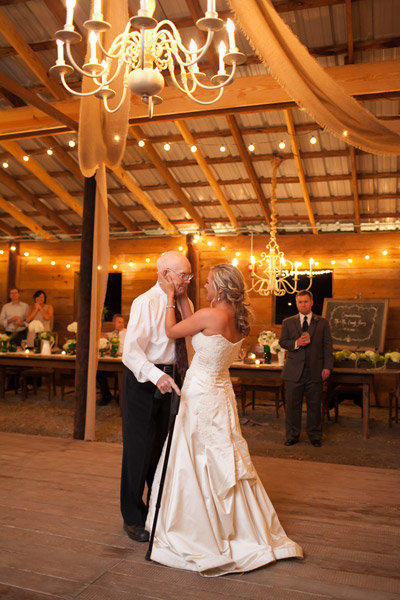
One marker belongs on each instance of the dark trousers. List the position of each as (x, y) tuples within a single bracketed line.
[(145, 422), (102, 380), (295, 390)]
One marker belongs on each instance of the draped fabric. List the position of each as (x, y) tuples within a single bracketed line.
[(300, 75), (102, 138)]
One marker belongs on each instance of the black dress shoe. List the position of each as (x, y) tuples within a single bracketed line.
[(291, 442), (316, 443), (137, 533)]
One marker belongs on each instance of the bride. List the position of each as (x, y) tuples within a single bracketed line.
[(215, 516)]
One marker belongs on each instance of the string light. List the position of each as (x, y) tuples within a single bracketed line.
[(141, 143), (5, 164), (235, 262), (209, 243), (193, 148), (237, 253), (349, 260), (99, 267), (25, 158), (131, 264), (282, 145), (39, 259), (1, 251), (72, 143), (117, 138), (167, 147), (147, 260), (49, 151), (53, 262), (384, 252), (223, 248), (68, 266), (366, 257), (333, 262), (222, 148), (313, 140), (251, 148), (13, 248), (115, 267), (345, 133)]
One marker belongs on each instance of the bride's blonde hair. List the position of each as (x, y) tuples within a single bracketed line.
[(230, 280)]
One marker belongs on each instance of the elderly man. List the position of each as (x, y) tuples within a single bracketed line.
[(13, 315), (149, 357)]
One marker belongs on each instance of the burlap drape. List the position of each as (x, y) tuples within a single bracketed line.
[(102, 138), (300, 75)]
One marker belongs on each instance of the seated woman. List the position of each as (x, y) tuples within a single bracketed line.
[(39, 311)]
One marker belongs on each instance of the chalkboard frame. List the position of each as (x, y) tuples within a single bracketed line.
[(381, 304)]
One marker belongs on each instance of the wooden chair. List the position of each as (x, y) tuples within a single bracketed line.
[(48, 375), (253, 386), (393, 403)]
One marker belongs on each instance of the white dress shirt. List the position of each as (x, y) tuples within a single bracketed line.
[(13, 310), (301, 317), (146, 343)]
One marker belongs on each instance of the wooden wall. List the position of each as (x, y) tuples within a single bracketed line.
[(378, 277)]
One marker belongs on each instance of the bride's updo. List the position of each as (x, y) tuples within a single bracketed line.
[(230, 280)]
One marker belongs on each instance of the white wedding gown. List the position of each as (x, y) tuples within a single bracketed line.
[(215, 516)]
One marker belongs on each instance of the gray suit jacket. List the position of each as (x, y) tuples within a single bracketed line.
[(320, 348)]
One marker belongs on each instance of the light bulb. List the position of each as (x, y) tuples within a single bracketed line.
[(49, 151), (384, 252), (117, 138), (13, 248), (68, 266), (25, 158), (235, 262), (115, 267), (26, 253), (53, 262), (5, 165), (251, 148), (366, 257), (349, 260), (222, 248), (193, 148), (167, 147), (345, 133), (222, 148), (72, 143), (39, 259), (141, 143), (282, 145), (131, 264), (147, 260), (313, 140)]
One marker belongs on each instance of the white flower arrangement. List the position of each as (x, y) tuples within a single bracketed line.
[(266, 338), (4, 337), (36, 326), (103, 343), (47, 335), (275, 347), (393, 356), (73, 327)]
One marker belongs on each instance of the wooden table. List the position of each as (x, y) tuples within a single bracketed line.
[(363, 377), (54, 361)]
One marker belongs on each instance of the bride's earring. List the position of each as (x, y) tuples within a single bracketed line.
[(219, 297)]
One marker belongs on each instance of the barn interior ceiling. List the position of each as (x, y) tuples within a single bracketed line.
[(224, 187)]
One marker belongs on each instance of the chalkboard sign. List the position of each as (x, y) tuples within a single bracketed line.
[(357, 324)]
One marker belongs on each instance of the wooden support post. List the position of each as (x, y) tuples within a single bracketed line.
[(85, 294), (14, 265), (192, 256)]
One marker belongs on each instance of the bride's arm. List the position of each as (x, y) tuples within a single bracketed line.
[(198, 321)]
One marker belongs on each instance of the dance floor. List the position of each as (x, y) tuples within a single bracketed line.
[(61, 531)]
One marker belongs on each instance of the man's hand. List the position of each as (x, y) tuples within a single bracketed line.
[(325, 374), (166, 384), (303, 340), (14, 320)]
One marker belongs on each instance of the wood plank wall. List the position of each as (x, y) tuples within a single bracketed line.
[(378, 277)]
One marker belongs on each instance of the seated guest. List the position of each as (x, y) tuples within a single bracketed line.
[(13, 316), (39, 311), (119, 331)]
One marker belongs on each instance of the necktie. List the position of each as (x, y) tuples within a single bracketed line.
[(305, 324), (182, 364)]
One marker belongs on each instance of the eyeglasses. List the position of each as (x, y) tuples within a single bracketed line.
[(184, 276)]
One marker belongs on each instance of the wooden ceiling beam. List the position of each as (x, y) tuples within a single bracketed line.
[(127, 180), (350, 37), (43, 176), (247, 94), (299, 167), (201, 161), (11, 33), (8, 229), (29, 198), (250, 170), (27, 221), (354, 185), (172, 183)]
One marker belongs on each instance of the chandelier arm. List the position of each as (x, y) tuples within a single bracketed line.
[(221, 85), (200, 52), (113, 110), (75, 93), (77, 67), (120, 40)]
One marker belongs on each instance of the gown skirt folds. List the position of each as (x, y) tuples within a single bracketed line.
[(215, 516)]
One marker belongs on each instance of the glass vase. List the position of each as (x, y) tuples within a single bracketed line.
[(267, 355), (36, 344), (114, 350)]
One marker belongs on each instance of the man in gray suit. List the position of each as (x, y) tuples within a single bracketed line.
[(307, 337)]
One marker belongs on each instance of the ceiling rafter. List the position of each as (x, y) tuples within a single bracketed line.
[(144, 199), (172, 183), (238, 138), (22, 218), (201, 161), (12, 231), (43, 176), (299, 166), (11, 33), (29, 198)]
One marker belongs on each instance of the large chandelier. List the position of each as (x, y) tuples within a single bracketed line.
[(270, 274), (142, 52)]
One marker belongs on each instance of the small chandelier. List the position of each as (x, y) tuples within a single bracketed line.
[(142, 52), (273, 268)]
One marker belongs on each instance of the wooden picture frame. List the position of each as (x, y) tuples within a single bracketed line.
[(357, 324)]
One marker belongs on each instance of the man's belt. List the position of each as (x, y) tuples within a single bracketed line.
[(166, 368)]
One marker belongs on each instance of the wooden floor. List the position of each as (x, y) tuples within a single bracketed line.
[(61, 533)]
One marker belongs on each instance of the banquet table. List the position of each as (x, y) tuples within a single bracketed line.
[(54, 361), (363, 377)]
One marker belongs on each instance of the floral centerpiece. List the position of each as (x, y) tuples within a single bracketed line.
[(268, 339), (37, 327), (47, 335), (73, 328), (114, 346), (103, 345), (392, 360), (4, 340), (70, 346), (369, 359), (345, 358)]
